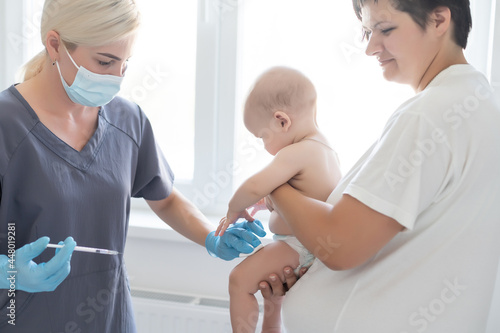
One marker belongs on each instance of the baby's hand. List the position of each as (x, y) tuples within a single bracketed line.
[(263, 204), (257, 207), (231, 218)]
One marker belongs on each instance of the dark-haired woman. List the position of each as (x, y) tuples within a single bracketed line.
[(408, 241)]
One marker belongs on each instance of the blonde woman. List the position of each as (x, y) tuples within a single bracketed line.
[(71, 157)]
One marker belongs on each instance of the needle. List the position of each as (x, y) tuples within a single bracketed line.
[(87, 249)]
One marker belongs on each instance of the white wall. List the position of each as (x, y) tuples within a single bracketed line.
[(171, 267), (159, 259)]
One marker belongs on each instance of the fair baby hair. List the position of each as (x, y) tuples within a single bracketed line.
[(282, 89), (84, 22)]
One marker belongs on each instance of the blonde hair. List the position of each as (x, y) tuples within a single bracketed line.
[(84, 22)]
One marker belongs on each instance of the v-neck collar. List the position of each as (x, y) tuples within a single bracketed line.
[(78, 159)]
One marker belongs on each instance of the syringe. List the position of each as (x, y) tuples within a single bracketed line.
[(87, 249)]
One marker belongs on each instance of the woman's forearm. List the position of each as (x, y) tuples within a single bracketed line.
[(342, 237), (180, 214), (307, 217)]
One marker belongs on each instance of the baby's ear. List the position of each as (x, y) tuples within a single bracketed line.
[(283, 119)]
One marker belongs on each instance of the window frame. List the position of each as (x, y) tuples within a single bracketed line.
[(493, 68), (215, 98), (211, 186), (212, 183), (12, 24), (216, 85)]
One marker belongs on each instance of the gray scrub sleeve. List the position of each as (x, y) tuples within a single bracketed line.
[(153, 177)]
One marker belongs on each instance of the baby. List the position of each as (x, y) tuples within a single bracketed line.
[(280, 110)]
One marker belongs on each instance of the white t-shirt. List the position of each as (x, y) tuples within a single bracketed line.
[(436, 170)]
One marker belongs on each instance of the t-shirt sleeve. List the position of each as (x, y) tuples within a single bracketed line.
[(408, 169), (153, 177)]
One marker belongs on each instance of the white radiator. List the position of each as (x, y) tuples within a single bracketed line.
[(170, 313)]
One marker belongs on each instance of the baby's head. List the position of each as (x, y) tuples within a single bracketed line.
[(280, 107)]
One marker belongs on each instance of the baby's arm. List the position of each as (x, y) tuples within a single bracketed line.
[(285, 165)]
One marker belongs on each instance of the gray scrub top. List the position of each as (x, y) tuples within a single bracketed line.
[(49, 189)]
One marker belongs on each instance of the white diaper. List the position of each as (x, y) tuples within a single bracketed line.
[(306, 258), (256, 249)]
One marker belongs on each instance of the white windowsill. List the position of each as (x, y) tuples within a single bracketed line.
[(145, 224)]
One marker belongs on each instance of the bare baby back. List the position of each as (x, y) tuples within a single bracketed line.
[(317, 174)]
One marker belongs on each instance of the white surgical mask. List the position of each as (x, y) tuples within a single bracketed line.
[(91, 89)]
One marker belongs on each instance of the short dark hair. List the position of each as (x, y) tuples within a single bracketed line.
[(420, 10)]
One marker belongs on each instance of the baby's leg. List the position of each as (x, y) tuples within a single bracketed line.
[(245, 278)]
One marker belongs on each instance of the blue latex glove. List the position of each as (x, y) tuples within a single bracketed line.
[(238, 238), (33, 277)]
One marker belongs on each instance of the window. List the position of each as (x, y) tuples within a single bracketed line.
[(161, 78), (322, 39), (176, 76), (161, 75), (196, 60), (16, 33)]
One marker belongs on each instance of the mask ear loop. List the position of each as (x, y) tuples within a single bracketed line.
[(57, 63), (69, 55)]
